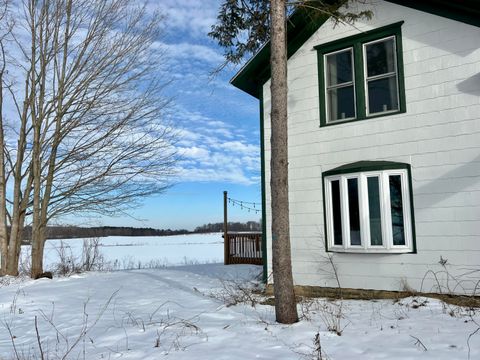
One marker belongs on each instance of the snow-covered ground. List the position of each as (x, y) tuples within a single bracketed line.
[(180, 313), (122, 252)]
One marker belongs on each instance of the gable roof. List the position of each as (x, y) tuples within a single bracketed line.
[(301, 26)]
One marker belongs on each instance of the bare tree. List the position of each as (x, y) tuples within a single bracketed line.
[(90, 106), (3, 208)]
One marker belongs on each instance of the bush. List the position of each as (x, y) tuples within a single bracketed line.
[(91, 258)]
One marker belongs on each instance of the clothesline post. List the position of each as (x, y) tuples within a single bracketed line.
[(226, 242)]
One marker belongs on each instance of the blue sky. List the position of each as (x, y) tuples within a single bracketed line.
[(218, 126)]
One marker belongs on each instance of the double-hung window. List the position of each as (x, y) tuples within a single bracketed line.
[(368, 208), (340, 87), (361, 76)]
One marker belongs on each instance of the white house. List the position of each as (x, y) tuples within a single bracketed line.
[(384, 147)]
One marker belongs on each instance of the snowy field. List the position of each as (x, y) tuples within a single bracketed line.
[(182, 312), (122, 252)]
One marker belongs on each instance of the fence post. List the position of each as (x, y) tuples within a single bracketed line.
[(226, 241)]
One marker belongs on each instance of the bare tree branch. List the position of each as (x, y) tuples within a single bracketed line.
[(90, 135)]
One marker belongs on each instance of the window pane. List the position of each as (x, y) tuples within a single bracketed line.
[(339, 68), (336, 213), (341, 103), (382, 95), (380, 57), (396, 205), (374, 209), (354, 212)]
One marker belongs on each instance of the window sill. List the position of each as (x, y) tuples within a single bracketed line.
[(346, 121), (372, 251)]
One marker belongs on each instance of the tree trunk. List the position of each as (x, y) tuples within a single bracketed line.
[(19, 202), (3, 184), (285, 304), (14, 246), (13, 254), (38, 244), (40, 205)]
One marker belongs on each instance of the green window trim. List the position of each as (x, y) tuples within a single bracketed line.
[(369, 168), (356, 43), (263, 186)]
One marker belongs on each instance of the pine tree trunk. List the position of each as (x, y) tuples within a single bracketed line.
[(285, 305)]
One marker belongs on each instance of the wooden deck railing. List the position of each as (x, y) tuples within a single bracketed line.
[(244, 248)]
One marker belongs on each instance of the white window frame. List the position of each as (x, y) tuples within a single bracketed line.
[(385, 210), (327, 88), (382, 76)]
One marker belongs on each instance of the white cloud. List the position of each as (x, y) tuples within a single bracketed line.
[(192, 16), (235, 176), (185, 52), (213, 150), (195, 152), (239, 147)]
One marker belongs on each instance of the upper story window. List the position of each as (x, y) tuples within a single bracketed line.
[(369, 208), (340, 87), (361, 76)]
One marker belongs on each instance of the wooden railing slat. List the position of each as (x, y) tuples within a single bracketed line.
[(245, 248)]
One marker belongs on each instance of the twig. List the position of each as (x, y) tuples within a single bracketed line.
[(468, 340), (150, 318), (12, 339), (419, 343), (335, 272), (38, 339), (318, 347)]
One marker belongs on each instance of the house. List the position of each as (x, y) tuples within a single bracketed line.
[(384, 147)]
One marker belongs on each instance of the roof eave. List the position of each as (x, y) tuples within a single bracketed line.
[(300, 27), (466, 11), (257, 70)]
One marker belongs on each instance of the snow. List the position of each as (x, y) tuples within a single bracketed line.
[(180, 313), (145, 251)]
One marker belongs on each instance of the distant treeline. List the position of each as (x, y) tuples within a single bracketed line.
[(70, 232), (232, 226)]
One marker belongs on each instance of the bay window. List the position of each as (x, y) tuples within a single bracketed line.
[(368, 208)]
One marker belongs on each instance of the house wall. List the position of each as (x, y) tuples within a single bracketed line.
[(439, 136)]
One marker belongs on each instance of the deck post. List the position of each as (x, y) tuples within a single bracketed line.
[(226, 241)]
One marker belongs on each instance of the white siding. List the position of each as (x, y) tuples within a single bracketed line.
[(439, 136)]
